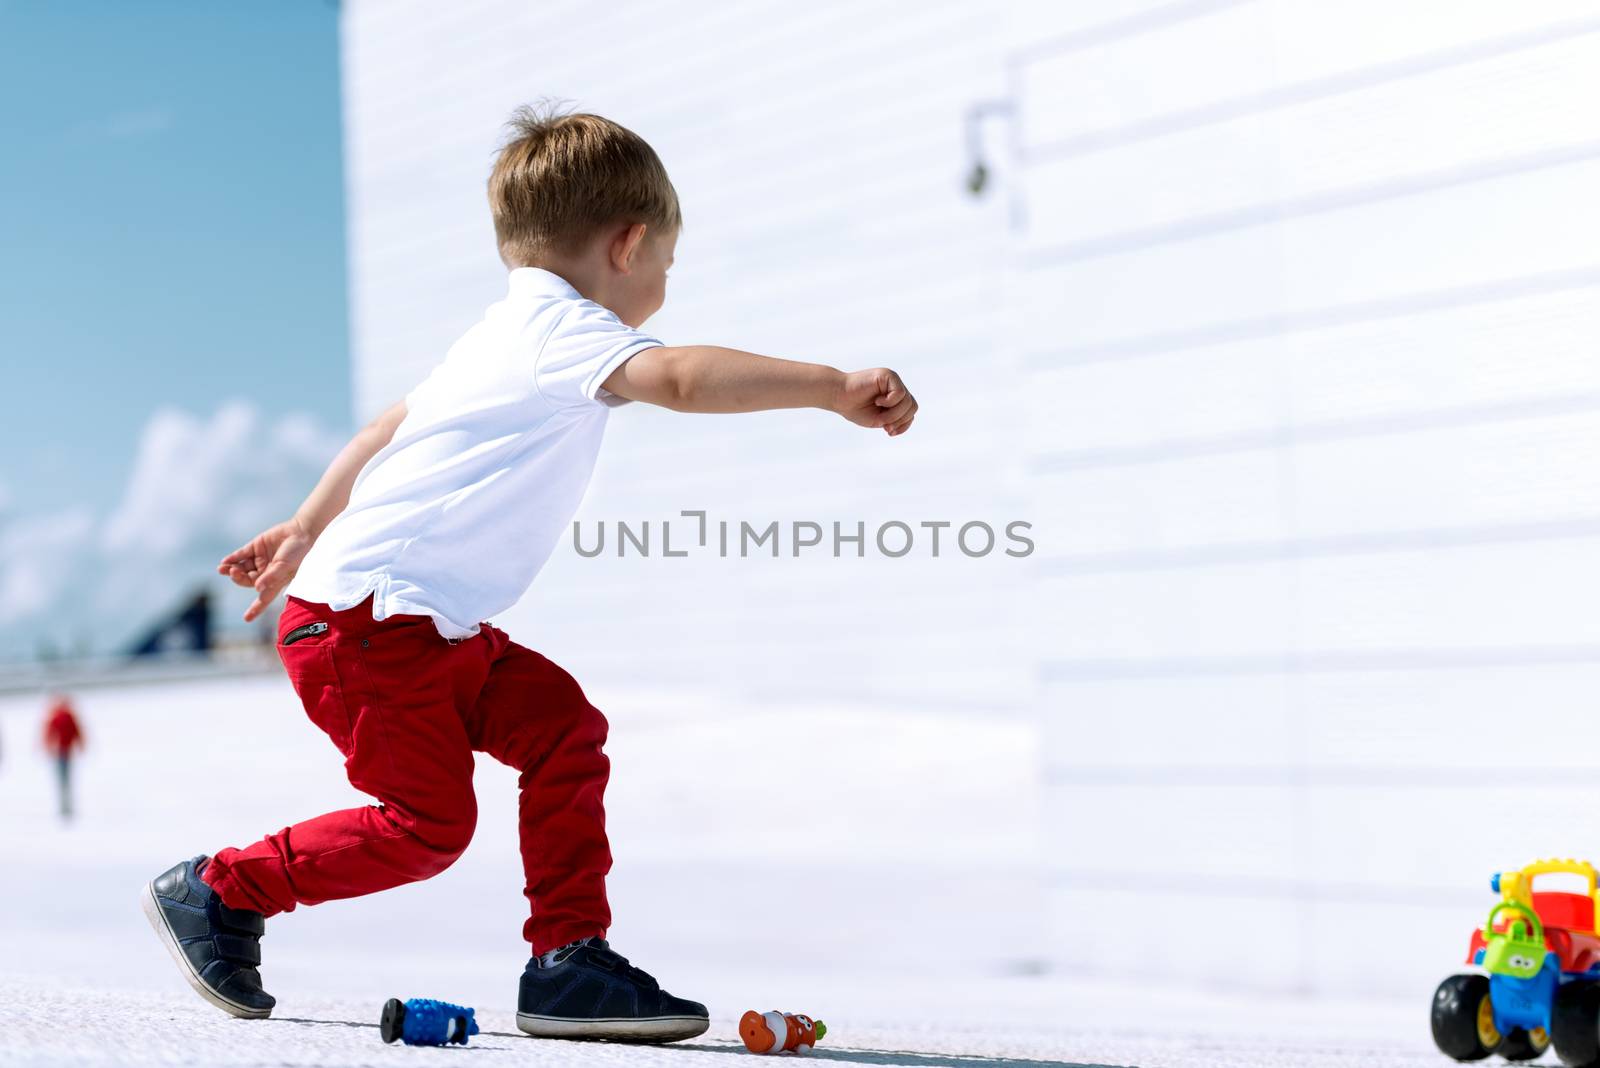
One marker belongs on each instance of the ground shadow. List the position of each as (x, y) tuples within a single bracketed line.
[(908, 1058), (903, 1058), (374, 1027)]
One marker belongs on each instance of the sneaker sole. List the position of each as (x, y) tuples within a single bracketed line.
[(618, 1029), (158, 921)]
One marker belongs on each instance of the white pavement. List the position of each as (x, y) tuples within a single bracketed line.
[(872, 870), (82, 1025)]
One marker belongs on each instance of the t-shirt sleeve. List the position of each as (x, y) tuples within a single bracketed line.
[(586, 346)]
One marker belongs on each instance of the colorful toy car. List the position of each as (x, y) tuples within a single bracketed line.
[(1542, 955)]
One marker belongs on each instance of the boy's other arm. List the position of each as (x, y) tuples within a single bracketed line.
[(705, 378), (270, 559)]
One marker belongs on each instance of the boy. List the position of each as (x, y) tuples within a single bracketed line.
[(437, 516)]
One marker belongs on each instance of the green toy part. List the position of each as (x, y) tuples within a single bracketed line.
[(1517, 951)]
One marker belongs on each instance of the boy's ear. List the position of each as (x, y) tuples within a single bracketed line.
[(625, 245)]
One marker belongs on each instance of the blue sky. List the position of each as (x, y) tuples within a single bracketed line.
[(171, 214), (172, 299)]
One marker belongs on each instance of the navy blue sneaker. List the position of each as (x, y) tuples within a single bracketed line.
[(217, 948), (587, 990)]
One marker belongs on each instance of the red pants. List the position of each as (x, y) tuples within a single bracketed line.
[(407, 708)]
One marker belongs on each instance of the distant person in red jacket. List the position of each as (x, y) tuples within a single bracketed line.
[(63, 738)]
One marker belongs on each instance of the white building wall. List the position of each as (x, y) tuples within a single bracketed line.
[(1315, 435), (1279, 324), (818, 154)]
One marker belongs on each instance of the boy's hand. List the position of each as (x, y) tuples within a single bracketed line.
[(268, 562), (876, 398)]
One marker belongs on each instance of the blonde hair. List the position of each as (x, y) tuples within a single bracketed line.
[(562, 177)]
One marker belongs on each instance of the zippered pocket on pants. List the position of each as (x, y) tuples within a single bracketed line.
[(307, 630)]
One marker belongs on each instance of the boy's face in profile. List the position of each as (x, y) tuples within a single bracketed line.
[(642, 291)]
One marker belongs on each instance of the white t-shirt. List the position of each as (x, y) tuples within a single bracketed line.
[(455, 517)]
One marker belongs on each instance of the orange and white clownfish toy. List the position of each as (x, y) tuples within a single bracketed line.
[(779, 1032)]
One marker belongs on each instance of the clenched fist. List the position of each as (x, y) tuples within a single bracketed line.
[(876, 398)]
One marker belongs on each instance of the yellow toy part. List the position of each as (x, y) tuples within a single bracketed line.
[(1516, 888)]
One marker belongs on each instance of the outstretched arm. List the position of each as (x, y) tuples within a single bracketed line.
[(270, 559), (705, 378)]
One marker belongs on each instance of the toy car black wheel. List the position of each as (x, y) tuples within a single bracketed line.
[(1463, 1021), (1524, 1045), (391, 1025), (1575, 1024)]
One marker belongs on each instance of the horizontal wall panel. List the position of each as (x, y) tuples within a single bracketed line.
[(1176, 65), (1454, 836), (1519, 472), (1148, 617), (1266, 494), (1456, 599), (1044, 30), (1422, 944), (1097, 727), (1223, 58), (1519, 103), (1535, 221), (1078, 402), (1122, 510), (1312, 40), (1477, 597), (1471, 349), (1177, 938), (1247, 941), (1342, 842), (1478, 353), (1440, 719), (1137, 833), (1425, 726)]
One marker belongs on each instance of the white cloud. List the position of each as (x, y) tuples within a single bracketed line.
[(41, 555), (199, 488), (224, 478)]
